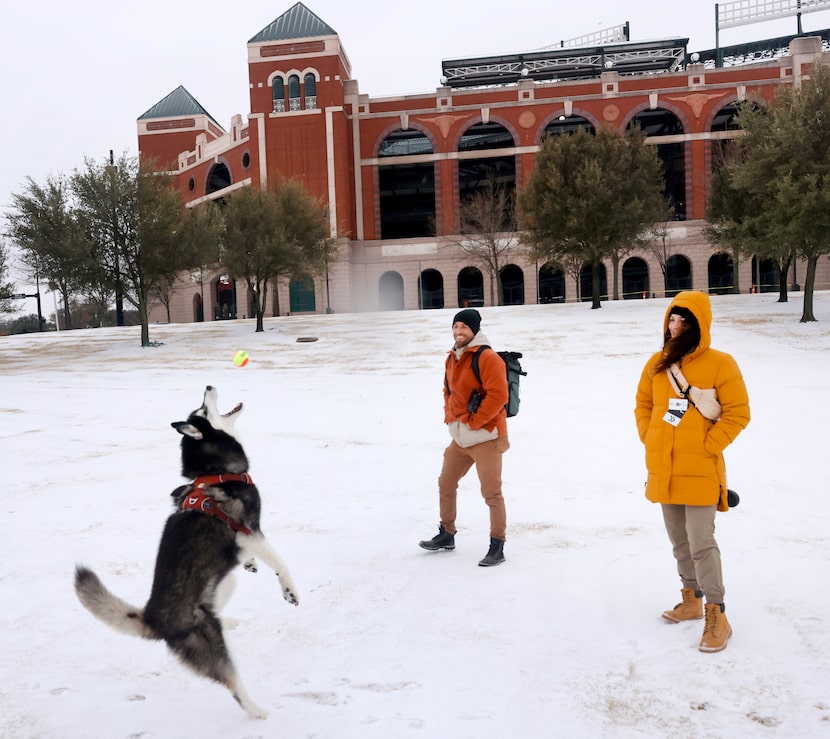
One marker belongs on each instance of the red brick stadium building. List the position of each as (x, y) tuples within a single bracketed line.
[(394, 170)]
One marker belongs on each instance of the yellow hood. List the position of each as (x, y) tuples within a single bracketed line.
[(701, 308)]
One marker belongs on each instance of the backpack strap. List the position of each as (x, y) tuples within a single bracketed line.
[(474, 365), (476, 370)]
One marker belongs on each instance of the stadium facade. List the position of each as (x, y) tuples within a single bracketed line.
[(393, 171)]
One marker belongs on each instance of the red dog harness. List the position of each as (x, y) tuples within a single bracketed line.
[(198, 500)]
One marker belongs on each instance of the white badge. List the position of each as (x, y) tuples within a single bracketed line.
[(677, 408)]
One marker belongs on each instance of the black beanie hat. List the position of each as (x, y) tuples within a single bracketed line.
[(471, 317)]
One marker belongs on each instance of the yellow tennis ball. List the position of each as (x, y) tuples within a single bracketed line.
[(240, 359)]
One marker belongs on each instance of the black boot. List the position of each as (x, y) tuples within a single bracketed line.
[(442, 540), (495, 555)]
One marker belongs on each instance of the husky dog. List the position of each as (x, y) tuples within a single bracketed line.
[(215, 527)]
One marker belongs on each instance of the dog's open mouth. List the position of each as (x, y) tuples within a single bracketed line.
[(235, 409)]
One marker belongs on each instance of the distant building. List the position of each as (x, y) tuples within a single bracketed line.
[(393, 170)]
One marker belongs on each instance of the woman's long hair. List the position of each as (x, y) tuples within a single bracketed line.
[(675, 349)]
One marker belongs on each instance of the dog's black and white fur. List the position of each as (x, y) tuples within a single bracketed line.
[(196, 556)]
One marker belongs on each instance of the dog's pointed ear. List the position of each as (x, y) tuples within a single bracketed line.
[(187, 429)]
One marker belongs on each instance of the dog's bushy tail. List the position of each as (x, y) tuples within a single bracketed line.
[(110, 608)]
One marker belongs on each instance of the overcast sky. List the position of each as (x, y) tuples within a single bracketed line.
[(76, 76)]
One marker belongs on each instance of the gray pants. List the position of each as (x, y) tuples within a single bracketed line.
[(691, 531)]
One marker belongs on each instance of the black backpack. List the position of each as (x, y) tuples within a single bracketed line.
[(514, 375)]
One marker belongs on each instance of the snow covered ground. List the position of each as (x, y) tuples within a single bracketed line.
[(345, 437)]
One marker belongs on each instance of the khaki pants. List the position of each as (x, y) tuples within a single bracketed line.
[(457, 462), (691, 531)]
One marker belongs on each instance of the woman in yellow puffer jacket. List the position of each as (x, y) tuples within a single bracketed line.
[(684, 456)]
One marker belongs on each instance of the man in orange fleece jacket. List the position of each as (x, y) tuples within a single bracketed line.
[(477, 421)]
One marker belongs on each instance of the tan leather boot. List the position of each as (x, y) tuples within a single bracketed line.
[(690, 608), (716, 630)]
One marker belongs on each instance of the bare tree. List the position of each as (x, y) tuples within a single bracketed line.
[(488, 231), (661, 248), (6, 287), (134, 218)]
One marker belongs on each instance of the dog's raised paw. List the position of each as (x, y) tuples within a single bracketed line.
[(250, 565), (255, 712), (290, 596)]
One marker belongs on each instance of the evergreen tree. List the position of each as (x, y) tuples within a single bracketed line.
[(271, 235), (592, 197), (774, 197), (43, 225)]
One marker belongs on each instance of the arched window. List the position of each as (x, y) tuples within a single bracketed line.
[(568, 124), (278, 94), (390, 291), (551, 284), (478, 175), (198, 309), (225, 298), (512, 285), (661, 122), (294, 92), (470, 288), (403, 143), (310, 91), (431, 283), (219, 178), (485, 136), (678, 275), (720, 274), (635, 278), (586, 282), (407, 191), (726, 119)]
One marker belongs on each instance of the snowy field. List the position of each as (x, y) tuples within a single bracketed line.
[(345, 437)]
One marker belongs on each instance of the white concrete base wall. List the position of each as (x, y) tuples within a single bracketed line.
[(352, 283)]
